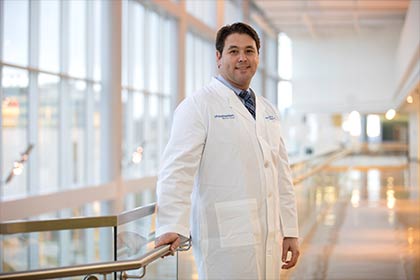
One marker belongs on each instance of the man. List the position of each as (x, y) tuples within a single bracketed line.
[(226, 168)]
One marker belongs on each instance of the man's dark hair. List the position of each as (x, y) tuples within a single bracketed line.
[(238, 27)]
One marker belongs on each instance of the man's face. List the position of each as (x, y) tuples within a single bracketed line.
[(239, 60)]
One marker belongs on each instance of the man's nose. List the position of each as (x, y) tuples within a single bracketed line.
[(242, 57)]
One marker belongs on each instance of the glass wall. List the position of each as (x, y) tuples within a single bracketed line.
[(51, 70), (200, 62), (51, 86), (50, 94), (233, 11), (149, 75), (204, 11)]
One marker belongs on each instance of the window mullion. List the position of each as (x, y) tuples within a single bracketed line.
[(33, 98), (129, 110), (32, 121), (130, 43), (64, 131), (161, 87), (89, 100), (1, 115), (146, 92)]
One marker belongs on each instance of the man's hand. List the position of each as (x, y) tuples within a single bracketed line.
[(290, 244), (169, 238)]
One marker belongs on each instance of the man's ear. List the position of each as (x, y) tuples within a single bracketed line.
[(218, 57)]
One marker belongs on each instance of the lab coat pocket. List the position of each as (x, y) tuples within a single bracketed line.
[(238, 223), (274, 134)]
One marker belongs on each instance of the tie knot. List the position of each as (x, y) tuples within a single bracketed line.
[(244, 94)]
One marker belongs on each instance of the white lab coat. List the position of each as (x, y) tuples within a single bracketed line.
[(231, 173)]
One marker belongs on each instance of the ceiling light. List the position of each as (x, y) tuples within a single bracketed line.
[(409, 99), (390, 114)]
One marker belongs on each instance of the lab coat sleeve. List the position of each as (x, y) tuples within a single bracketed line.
[(288, 208), (179, 164)]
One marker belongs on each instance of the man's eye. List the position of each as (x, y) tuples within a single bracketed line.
[(250, 51), (233, 51)]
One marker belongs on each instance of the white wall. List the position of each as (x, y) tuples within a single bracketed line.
[(341, 74), (315, 131)]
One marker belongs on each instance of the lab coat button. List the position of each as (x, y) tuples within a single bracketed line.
[(266, 164)]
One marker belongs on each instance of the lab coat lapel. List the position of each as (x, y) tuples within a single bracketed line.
[(260, 114), (232, 99), (236, 104)]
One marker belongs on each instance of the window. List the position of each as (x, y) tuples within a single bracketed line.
[(200, 62), (203, 10), (233, 11), (50, 92), (373, 128), (149, 68), (49, 36), (285, 88), (14, 128), (16, 32), (48, 133), (49, 95)]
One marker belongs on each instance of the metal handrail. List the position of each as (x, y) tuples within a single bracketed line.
[(321, 166), (313, 157), (98, 268), (77, 223)]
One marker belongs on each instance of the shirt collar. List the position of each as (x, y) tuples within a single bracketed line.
[(226, 83)]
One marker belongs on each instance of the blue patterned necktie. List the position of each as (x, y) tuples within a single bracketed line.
[(249, 101)]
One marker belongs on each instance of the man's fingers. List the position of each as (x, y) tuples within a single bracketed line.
[(289, 264), (290, 245), (175, 244), (293, 260), (284, 253), (295, 256), (168, 238)]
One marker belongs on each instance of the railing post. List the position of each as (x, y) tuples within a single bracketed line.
[(115, 248)]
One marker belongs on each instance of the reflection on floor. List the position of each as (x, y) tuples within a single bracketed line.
[(359, 219)]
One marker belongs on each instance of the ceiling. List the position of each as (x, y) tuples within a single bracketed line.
[(325, 18), (316, 21)]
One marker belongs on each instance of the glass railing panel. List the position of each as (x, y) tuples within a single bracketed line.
[(49, 249), (144, 197), (15, 252), (163, 269), (186, 265), (135, 239)]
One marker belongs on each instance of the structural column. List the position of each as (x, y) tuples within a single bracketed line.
[(111, 105), (414, 136)]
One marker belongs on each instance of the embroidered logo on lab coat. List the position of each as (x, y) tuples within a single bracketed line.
[(225, 116), (270, 118)]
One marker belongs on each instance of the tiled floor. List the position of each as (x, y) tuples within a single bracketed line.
[(369, 225), (359, 219)]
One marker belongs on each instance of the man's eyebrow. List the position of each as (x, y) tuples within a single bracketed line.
[(233, 47), (236, 47)]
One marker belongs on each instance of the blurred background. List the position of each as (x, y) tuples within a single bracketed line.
[(89, 87)]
